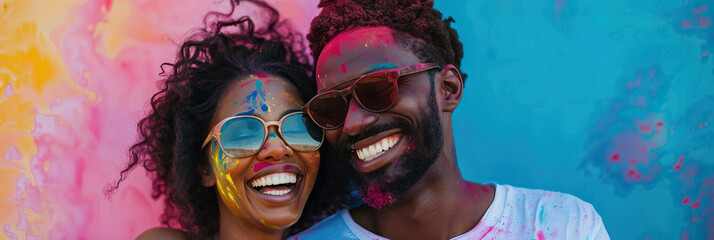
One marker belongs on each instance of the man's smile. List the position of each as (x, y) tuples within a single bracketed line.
[(377, 149)]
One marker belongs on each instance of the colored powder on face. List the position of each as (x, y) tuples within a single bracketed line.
[(258, 87), (376, 196), (259, 166), (254, 101), (343, 68), (225, 185), (246, 83)]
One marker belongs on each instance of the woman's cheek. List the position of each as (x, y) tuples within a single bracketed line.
[(312, 160), (222, 166)]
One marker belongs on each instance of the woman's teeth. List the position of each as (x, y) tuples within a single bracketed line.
[(375, 150), (268, 184)]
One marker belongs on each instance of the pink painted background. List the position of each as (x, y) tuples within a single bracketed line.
[(75, 77)]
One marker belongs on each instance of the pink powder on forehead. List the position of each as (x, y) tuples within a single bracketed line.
[(246, 83)]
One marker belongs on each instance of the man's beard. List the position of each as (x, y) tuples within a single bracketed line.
[(424, 144)]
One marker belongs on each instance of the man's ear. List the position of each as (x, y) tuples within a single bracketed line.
[(207, 177), (452, 85)]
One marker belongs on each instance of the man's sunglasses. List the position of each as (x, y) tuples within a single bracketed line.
[(376, 92), (244, 136)]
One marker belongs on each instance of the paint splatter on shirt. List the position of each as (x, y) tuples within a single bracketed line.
[(516, 213)]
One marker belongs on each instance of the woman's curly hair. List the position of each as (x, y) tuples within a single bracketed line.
[(419, 26), (170, 136)]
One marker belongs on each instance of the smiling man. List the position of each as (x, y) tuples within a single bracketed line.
[(389, 79)]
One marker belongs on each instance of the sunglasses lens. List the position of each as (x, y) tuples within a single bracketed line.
[(242, 137), (376, 92), (329, 110), (301, 133)]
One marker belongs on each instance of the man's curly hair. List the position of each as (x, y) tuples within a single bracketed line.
[(170, 136), (419, 27)]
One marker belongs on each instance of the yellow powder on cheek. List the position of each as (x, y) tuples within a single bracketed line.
[(226, 187)]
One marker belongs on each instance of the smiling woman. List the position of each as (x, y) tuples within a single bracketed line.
[(226, 141)]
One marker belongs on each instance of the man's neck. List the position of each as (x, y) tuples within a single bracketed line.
[(440, 206)]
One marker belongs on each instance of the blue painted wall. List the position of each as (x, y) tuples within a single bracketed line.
[(611, 101)]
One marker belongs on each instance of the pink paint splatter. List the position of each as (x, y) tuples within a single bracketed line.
[(246, 83), (699, 10), (540, 235), (615, 157), (343, 68), (259, 166), (705, 21), (694, 205), (679, 163)]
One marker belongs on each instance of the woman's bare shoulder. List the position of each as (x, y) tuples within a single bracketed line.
[(162, 233)]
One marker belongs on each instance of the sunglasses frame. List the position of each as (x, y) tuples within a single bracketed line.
[(400, 72), (216, 133)]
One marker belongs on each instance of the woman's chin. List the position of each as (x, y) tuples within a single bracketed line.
[(282, 221)]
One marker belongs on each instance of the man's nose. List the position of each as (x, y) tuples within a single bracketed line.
[(357, 119)]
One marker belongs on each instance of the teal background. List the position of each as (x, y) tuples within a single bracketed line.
[(611, 101)]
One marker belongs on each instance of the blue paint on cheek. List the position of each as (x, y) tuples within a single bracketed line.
[(264, 107), (380, 66)]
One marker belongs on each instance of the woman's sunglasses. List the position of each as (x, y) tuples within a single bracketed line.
[(244, 136), (376, 92)]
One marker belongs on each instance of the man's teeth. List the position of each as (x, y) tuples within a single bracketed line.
[(275, 179), (375, 150)]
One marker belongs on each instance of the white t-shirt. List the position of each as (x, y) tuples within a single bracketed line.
[(516, 213)]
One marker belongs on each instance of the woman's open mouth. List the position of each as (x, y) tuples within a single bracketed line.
[(276, 184)]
